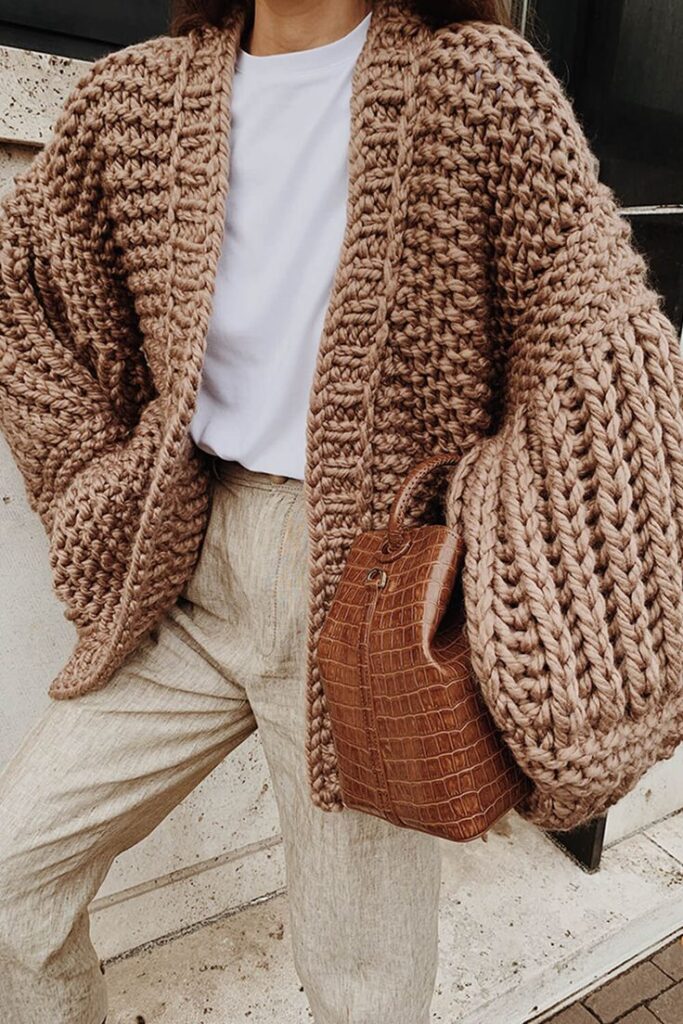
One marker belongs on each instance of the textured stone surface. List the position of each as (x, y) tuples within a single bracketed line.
[(521, 928), (191, 897), (668, 835), (640, 1016), (670, 960), (657, 974), (13, 159), (658, 794), (668, 1007), (239, 969), (625, 992), (576, 1014), (34, 86)]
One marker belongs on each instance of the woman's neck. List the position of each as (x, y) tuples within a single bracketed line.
[(283, 26)]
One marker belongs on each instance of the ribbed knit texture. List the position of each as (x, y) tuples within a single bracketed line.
[(488, 298)]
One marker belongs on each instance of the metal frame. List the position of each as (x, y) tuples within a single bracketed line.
[(584, 844), (521, 12)]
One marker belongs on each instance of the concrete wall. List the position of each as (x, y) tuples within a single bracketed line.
[(220, 848)]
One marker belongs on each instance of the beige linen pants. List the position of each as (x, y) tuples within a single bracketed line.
[(97, 773)]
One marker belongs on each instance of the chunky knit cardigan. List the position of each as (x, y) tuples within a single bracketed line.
[(488, 299)]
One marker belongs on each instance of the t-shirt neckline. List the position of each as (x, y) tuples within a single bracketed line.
[(296, 62)]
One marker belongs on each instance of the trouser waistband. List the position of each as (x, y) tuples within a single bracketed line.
[(234, 472)]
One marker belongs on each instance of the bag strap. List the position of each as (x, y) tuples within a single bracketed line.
[(396, 525)]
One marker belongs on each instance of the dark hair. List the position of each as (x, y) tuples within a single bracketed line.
[(189, 14)]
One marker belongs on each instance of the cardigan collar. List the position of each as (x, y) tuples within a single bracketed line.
[(189, 166), (338, 480), (393, 22), (383, 115), (383, 112)]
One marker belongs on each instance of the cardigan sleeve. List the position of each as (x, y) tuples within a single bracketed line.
[(572, 508), (70, 361)]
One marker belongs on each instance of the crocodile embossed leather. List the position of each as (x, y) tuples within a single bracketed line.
[(415, 742)]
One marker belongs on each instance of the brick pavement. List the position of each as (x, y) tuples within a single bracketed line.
[(650, 992)]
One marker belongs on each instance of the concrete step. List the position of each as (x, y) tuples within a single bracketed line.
[(524, 934)]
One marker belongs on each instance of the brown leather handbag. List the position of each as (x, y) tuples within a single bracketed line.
[(415, 742)]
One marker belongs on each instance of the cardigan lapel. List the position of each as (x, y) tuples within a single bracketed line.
[(355, 322), (199, 177), (189, 169), (338, 474), (200, 151), (196, 176)]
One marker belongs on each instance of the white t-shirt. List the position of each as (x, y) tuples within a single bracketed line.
[(284, 226)]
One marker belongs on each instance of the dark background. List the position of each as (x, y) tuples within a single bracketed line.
[(620, 61)]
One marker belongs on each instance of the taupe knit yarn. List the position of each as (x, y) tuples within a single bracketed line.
[(488, 299)]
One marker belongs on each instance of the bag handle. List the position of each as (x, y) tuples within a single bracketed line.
[(396, 526)]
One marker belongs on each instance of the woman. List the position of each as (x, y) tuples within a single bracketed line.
[(205, 308)]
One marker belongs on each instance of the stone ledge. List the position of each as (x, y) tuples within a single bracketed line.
[(35, 86)]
